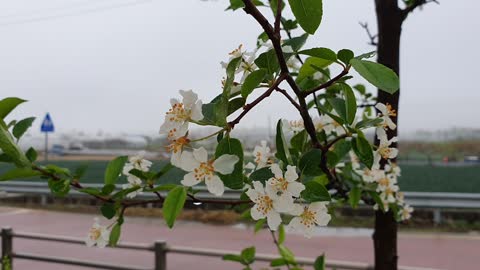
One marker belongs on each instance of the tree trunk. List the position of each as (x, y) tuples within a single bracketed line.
[(389, 23)]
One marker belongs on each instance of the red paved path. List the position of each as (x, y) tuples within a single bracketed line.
[(453, 252)]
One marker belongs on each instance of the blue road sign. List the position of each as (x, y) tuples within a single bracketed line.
[(47, 124)]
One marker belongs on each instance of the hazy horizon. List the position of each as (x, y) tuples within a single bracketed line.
[(114, 65)]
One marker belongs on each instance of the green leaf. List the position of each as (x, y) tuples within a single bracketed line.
[(350, 103), (115, 235), (5, 158), (297, 42), (354, 197), (9, 104), (261, 175), (286, 254), (108, 210), (319, 263), (19, 173), (322, 53), (233, 258), (281, 234), (339, 106), (107, 189), (278, 262), (345, 55), (308, 14), (366, 55), (164, 187), (369, 123), (378, 75), (282, 147), (235, 104), (59, 187), (231, 146), (310, 67), (248, 255), (259, 225), (8, 146), (80, 171), (315, 192), (90, 191), (31, 154), (22, 126), (363, 150), (114, 169), (268, 61), (173, 205), (309, 163), (252, 81), (299, 141)]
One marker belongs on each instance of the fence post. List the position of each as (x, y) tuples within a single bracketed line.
[(160, 249), (7, 245)]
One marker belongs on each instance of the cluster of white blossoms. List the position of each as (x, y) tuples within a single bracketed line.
[(278, 197), (98, 235), (177, 120), (248, 65), (386, 178), (135, 162), (323, 123)]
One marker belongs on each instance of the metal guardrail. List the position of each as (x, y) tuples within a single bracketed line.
[(434, 200), (159, 248)]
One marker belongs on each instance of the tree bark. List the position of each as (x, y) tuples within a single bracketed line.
[(389, 22)]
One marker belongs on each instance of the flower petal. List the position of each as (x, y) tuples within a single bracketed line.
[(196, 113), (200, 154), (225, 164), (190, 180), (273, 220), (188, 162), (215, 185), (291, 174), (283, 203), (255, 213), (276, 171), (189, 98), (295, 188)]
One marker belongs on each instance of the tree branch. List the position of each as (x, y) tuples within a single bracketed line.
[(251, 105), (278, 17), (371, 37), (327, 84), (290, 98)]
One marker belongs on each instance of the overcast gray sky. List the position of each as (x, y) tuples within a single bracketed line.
[(115, 68)]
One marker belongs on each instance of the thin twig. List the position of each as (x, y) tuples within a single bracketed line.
[(251, 105), (371, 37), (328, 83)]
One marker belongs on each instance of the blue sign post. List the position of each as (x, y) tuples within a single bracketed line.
[(47, 127)]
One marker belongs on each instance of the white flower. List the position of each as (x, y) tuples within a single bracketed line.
[(384, 151), (200, 169), (393, 168), (98, 235), (281, 185), (294, 64), (262, 155), (400, 196), (329, 125), (307, 217), (385, 181), (406, 212), (386, 111), (355, 160), (133, 181), (267, 206), (294, 125), (388, 194), (368, 175), (317, 75), (139, 163), (182, 112)]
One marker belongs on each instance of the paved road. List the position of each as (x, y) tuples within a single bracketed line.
[(442, 251)]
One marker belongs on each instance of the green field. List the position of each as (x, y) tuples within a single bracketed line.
[(414, 177)]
